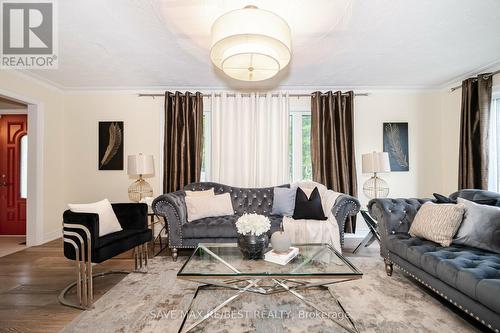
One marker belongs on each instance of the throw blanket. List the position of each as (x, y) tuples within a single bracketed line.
[(314, 231)]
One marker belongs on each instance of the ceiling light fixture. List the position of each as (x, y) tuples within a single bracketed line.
[(250, 44)]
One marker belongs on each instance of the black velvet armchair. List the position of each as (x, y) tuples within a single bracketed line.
[(83, 244)]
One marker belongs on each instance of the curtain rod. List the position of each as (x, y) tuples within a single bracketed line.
[(245, 94), (460, 86)]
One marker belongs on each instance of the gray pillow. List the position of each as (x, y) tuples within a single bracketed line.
[(284, 201), (480, 227)]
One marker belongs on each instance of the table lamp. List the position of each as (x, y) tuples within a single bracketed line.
[(140, 165), (375, 162)]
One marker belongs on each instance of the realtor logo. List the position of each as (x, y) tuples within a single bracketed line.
[(28, 34)]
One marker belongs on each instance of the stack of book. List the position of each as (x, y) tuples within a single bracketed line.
[(281, 258)]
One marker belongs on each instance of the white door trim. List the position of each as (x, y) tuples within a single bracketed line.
[(34, 205)]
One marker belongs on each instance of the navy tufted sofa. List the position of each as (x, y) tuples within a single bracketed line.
[(468, 278), (222, 229)]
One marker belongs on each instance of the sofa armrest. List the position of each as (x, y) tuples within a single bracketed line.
[(88, 220), (131, 215), (172, 207), (345, 206), (394, 216)]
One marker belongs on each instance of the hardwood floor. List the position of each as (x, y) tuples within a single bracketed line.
[(11, 244), (30, 281)]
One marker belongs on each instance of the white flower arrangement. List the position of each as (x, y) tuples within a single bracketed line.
[(253, 224)]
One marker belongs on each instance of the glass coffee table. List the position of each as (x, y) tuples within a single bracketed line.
[(222, 265)]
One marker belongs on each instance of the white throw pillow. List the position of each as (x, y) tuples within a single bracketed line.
[(207, 193), (108, 222), (208, 206), (437, 222)]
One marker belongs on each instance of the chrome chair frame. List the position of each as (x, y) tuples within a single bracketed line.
[(83, 258)]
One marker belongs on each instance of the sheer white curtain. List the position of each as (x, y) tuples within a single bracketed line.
[(494, 157), (249, 139)]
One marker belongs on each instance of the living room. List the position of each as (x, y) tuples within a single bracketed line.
[(348, 104)]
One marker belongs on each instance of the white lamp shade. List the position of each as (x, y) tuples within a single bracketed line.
[(375, 162), (140, 165), (250, 44)]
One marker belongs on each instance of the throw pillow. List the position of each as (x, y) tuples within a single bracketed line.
[(443, 199), (308, 191), (480, 227), (308, 208), (206, 193), (108, 222), (283, 201), (437, 222), (208, 206)]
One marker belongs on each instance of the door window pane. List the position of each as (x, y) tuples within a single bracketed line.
[(23, 174)]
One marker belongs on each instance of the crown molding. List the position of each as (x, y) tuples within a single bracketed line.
[(208, 90), (291, 88), (29, 76), (456, 81)]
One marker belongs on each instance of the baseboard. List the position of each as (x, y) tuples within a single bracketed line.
[(51, 235), (360, 233)]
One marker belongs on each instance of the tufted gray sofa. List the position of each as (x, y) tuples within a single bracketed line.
[(172, 208), (468, 278)]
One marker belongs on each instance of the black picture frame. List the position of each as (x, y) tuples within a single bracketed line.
[(111, 136), (395, 136)]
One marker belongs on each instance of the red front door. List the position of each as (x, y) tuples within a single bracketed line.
[(12, 198)]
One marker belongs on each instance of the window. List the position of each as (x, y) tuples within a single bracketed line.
[(206, 153), (300, 146), (494, 167), (23, 156)]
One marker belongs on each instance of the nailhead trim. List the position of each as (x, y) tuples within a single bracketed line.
[(354, 209), (351, 212), (441, 294)]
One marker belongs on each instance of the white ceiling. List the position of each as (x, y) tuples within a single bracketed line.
[(344, 43)]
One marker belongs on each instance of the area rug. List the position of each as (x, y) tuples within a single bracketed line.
[(157, 301)]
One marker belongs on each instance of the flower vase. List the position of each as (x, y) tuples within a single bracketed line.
[(253, 246)]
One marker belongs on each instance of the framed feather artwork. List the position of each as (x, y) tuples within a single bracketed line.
[(396, 144), (110, 145)]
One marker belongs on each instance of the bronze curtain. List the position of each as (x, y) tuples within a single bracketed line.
[(183, 140), (474, 123), (332, 143)]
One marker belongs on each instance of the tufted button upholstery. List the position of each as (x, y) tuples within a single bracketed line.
[(472, 271), (245, 200), (220, 227), (478, 196), (397, 214), (172, 207)]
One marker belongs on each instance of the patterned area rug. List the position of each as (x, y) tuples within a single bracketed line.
[(157, 301)]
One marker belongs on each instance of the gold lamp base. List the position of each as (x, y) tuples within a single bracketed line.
[(376, 187), (139, 189)]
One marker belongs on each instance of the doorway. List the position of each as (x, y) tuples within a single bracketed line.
[(13, 174), (12, 103)]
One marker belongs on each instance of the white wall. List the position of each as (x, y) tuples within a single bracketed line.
[(53, 153), (70, 147), (450, 140), (422, 112), (450, 135), (141, 117)]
